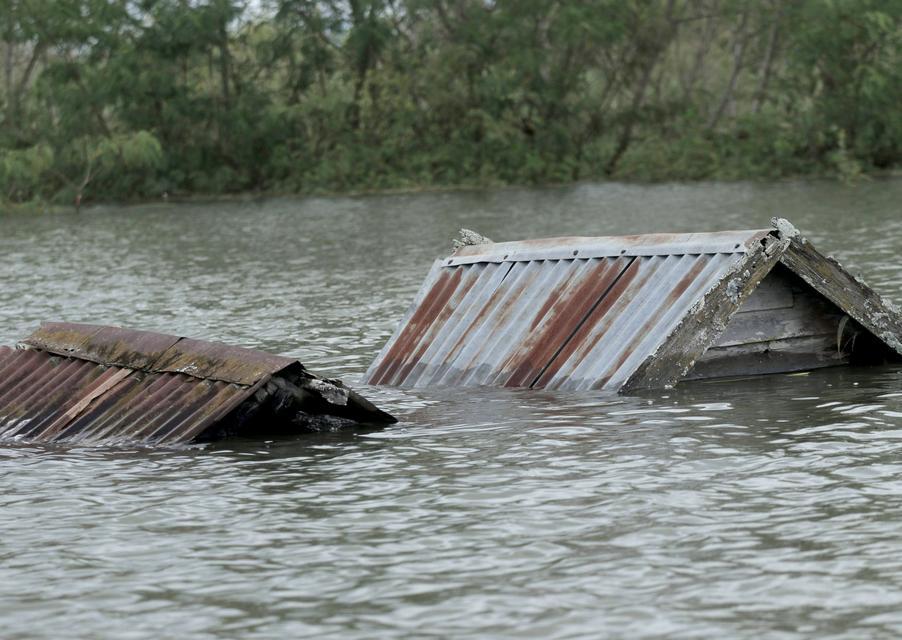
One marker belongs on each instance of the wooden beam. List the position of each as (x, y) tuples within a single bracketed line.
[(775, 356), (856, 299)]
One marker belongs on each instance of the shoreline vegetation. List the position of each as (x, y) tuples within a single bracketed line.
[(166, 100), (45, 207)]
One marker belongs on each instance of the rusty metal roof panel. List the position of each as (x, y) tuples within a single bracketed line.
[(634, 320), (50, 398), (89, 384), (570, 313), (455, 295), (527, 320), (154, 408)]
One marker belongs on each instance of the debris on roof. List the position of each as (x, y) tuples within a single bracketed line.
[(623, 313), (468, 237), (92, 384)]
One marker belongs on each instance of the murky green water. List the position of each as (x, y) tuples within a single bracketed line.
[(766, 507)]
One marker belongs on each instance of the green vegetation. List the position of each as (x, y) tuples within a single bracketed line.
[(124, 99)]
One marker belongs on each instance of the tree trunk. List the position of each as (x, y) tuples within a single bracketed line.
[(362, 64), (701, 53), (768, 62), (626, 135), (739, 46), (16, 89), (8, 81), (225, 61)]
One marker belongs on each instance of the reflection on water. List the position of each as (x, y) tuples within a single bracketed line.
[(766, 506)]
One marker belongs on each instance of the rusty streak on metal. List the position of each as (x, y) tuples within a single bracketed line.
[(584, 339), (407, 341), (560, 316)]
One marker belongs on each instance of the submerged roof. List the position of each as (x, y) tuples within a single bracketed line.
[(599, 313), (89, 384)]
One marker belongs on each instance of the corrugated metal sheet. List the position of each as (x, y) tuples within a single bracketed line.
[(48, 398), (89, 384), (565, 313)]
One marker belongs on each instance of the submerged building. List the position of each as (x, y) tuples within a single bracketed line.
[(624, 313), (91, 384)]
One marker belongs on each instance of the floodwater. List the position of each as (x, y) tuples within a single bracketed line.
[(768, 507)]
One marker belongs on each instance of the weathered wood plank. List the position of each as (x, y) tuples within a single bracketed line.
[(792, 354), (810, 315), (774, 292), (850, 294), (762, 326)]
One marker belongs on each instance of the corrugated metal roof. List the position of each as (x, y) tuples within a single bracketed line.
[(90, 384), (50, 398), (563, 313)]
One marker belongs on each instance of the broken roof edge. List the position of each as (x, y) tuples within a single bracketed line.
[(156, 352), (653, 244)]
